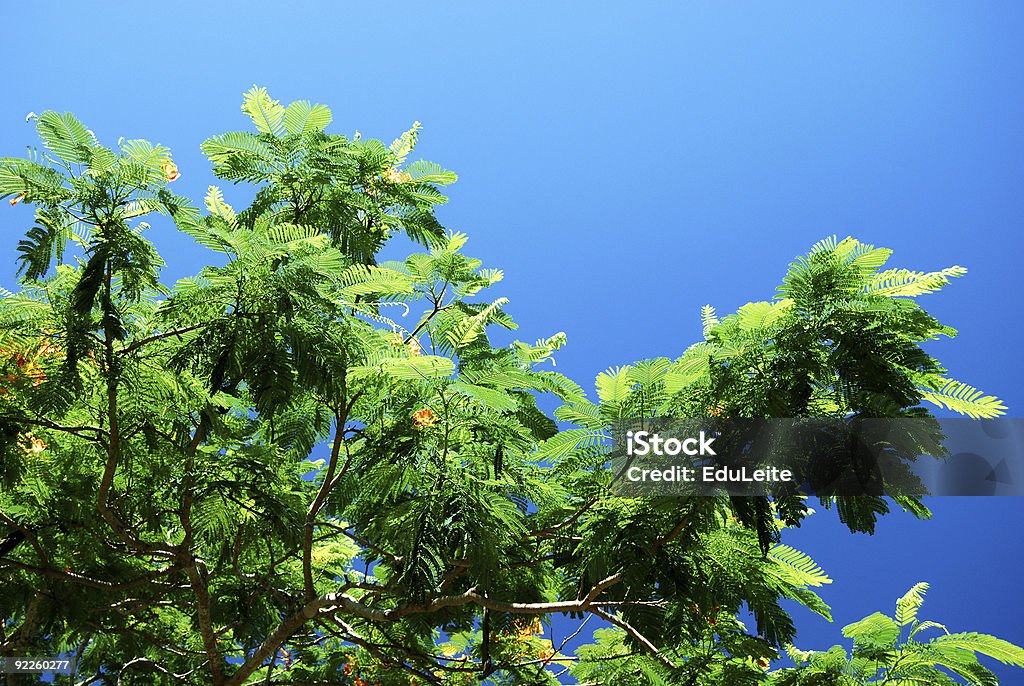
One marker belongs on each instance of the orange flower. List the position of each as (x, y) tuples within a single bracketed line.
[(35, 445), (47, 348), (414, 348), (424, 417), (170, 170), (16, 199), (527, 628), (397, 176)]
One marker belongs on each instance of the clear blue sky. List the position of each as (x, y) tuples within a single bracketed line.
[(626, 166)]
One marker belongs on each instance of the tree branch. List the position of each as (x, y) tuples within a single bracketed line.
[(327, 605), (634, 634), (202, 594), (314, 509), (166, 334), (90, 582)]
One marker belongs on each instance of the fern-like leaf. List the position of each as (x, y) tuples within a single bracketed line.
[(959, 397), (64, 135), (904, 282), (613, 385), (265, 112), (996, 648), (708, 319), (910, 603), (302, 117), (798, 568)]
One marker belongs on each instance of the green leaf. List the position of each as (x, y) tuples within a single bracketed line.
[(469, 329), (959, 397), (708, 319), (996, 648), (581, 412), (64, 135), (265, 112), (798, 567), (759, 315), (429, 172), (494, 399), (613, 385), (240, 155), (692, 367), (566, 442), (216, 206), (409, 369), (924, 626), (874, 631), (302, 117), (360, 280), (910, 603), (148, 158), (904, 282)]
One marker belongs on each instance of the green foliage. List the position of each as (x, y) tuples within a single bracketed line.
[(300, 465), (841, 339), (880, 657), (352, 190)]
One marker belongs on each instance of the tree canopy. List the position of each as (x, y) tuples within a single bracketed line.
[(303, 465)]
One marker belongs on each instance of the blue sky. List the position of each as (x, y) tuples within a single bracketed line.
[(625, 167)]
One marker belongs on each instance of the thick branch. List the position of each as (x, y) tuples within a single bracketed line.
[(205, 622), (90, 582), (327, 605), (314, 510)]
